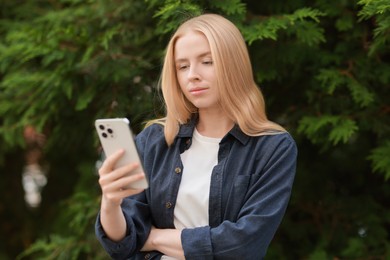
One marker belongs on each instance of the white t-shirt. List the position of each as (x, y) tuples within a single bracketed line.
[(192, 204)]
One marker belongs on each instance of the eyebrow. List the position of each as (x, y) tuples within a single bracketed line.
[(199, 56)]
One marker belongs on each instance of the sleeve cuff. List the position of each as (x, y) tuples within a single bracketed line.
[(196, 243), (112, 247)]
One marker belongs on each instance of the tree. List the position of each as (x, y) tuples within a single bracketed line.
[(63, 64), (323, 70)]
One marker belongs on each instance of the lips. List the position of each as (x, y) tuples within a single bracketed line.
[(197, 90)]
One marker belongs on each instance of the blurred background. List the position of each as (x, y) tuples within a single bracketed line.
[(322, 65)]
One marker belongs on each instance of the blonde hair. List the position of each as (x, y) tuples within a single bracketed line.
[(240, 97)]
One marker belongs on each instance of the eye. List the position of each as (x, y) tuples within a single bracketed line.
[(208, 62), (182, 66)]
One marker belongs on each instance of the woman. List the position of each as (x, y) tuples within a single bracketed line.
[(220, 173)]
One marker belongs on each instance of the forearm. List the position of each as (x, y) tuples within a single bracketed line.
[(166, 241), (113, 222)]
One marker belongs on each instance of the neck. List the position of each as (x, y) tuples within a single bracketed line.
[(214, 124)]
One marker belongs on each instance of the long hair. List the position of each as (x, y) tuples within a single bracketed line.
[(240, 97)]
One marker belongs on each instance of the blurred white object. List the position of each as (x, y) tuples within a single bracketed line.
[(33, 180)]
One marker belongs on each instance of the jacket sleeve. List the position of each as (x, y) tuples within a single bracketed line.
[(138, 227), (259, 217), (138, 221)]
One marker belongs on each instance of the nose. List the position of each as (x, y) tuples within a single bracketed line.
[(193, 74)]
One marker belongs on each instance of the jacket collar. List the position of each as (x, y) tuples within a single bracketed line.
[(186, 131), (238, 134)]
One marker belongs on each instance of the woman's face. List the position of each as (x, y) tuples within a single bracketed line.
[(195, 70)]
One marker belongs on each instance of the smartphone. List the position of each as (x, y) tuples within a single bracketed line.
[(115, 134)]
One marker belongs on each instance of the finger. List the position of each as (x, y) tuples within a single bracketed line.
[(110, 161), (119, 195), (130, 180), (129, 192), (118, 173), (123, 183)]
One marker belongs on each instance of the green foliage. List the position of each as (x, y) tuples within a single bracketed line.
[(331, 79), (230, 7), (338, 128), (318, 255), (56, 247), (173, 13), (379, 9), (61, 68), (302, 23), (78, 241), (322, 68), (380, 159), (61, 53)]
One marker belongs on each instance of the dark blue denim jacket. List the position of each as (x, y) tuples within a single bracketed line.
[(249, 192)]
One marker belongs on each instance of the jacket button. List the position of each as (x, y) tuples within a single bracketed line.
[(147, 256), (177, 170), (168, 205)]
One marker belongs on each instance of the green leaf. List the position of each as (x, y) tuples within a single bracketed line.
[(330, 79), (360, 94), (336, 128), (305, 13), (380, 11), (267, 29), (373, 7), (173, 13), (298, 22), (342, 130), (380, 159), (230, 7), (84, 99), (309, 33)]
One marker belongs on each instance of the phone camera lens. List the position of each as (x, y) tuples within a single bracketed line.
[(109, 130), (104, 135), (101, 127)]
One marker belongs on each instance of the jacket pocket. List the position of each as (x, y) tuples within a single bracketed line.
[(236, 196)]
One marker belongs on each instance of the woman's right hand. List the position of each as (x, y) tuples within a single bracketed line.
[(114, 182)]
